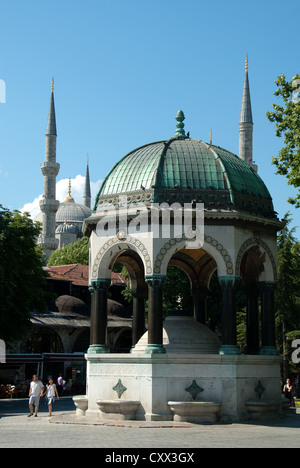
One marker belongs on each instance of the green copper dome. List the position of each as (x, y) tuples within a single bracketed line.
[(184, 170)]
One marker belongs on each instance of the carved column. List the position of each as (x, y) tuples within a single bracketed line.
[(200, 310), (155, 314), (98, 340), (138, 318), (252, 294), (229, 344), (268, 318)]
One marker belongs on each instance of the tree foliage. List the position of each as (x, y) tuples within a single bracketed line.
[(174, 298), (287, 296), (177, 292), (287, 123), (22, 277), (73, 253), (288, 286)]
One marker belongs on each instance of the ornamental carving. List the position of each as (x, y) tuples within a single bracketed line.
[(255, 240), (208, 239), (140, 248)]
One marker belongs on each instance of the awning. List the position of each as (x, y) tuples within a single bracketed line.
[(45, 357)]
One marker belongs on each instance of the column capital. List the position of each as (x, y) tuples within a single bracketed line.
[(155, 280), (228, 281), (99, 284)]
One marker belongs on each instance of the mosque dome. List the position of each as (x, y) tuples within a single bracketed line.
[(72, 212), (66, 229), (69, 216), (183, 170)]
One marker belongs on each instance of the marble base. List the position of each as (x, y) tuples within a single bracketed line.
[(81, 403), (156, 379)]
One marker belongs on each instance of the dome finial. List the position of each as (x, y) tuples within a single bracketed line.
[(247, 62), (180, 125), (69, 198)]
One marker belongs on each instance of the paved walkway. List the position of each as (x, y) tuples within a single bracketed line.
[(64, 431)]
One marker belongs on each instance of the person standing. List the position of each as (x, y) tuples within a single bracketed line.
[(51, 392), (289, 393), (35, 392), (60, 385)]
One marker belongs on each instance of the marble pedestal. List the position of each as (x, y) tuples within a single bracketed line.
[(81, 403), (154, 380)]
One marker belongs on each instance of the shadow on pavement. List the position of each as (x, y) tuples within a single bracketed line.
[(65, 406), (17, 407), (287, 420)]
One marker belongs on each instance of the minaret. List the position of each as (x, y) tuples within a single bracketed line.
[(50, 168), (246, 125), (87, 187)]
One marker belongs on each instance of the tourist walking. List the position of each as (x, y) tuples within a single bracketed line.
[(50, 393), (35, 392)]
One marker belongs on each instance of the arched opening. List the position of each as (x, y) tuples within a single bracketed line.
[(199, 267), (213, 287), (130, 259), (138, 292), (252, 266), (44, 340), (123, 343)]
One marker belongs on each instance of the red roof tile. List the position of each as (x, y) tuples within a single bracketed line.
[(78, 274)]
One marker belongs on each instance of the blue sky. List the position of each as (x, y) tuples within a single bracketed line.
[(123, 68)]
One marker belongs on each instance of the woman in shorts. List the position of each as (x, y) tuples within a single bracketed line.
[(51, 392)]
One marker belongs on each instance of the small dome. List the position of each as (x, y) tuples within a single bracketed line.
[(72, 212), (184, 335), (66, 229), (117, 310), (72, 306)]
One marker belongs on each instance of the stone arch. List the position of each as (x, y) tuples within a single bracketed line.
[(270, 266), (44, 339), (187, 269), (211, 245), (112, 249)]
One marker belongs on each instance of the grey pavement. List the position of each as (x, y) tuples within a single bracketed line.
[(65, 431)]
